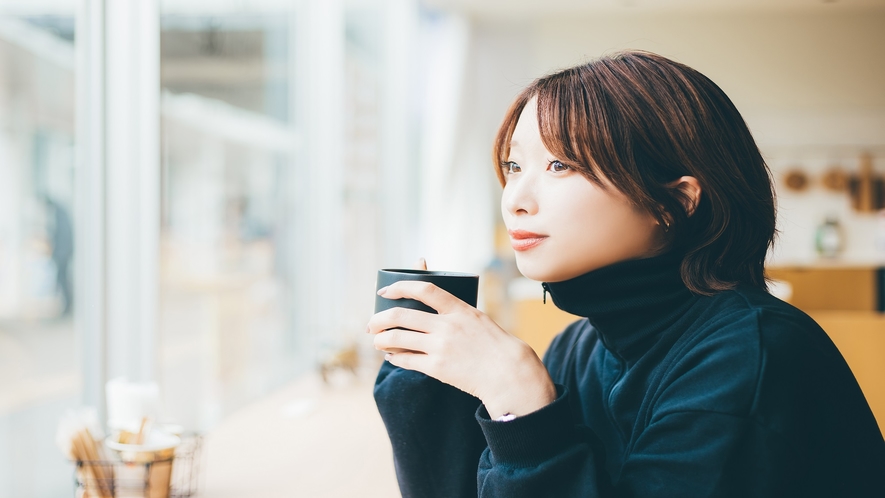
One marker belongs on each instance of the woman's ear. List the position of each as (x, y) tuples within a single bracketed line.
[(689, 193)]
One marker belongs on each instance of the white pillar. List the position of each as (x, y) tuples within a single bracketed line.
[(317, 182), (89, 201), (118, 189), (132, 88)]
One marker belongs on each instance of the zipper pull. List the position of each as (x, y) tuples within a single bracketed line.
[(544, 285)]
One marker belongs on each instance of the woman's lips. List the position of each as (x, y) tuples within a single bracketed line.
[(522, 240)]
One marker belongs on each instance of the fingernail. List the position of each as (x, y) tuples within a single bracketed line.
[(368, 330), (387, 356), (382, 290), (422, 263)]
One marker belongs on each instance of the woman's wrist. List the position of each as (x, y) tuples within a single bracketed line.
[(525, 391), (522, 404)]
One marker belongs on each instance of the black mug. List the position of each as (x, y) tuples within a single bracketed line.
[(464, 286)]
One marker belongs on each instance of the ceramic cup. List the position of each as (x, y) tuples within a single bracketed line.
[(464, 286)]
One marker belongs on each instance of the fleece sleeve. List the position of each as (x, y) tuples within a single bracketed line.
[(541, 454), (435, 438)]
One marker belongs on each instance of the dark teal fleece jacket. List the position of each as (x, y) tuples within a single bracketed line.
[(662, 393)]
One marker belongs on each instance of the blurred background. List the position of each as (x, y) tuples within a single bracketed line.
[(198, 193)]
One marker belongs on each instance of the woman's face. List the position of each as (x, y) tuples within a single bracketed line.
[(561, 225)]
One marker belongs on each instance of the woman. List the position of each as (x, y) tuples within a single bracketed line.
[(634, 190)]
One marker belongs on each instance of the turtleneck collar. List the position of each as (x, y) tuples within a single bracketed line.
[(629, 303)]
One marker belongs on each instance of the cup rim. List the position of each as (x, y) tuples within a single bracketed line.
[(432, 273)]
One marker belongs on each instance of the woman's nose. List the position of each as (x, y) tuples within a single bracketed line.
[(519, 196)]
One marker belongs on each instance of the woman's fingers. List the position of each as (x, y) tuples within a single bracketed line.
[(421, 264), (399, 340), (408, 360), (427, 293), (395, 350), (400, 318)]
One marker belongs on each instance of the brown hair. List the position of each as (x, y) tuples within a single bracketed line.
[(641, 121)]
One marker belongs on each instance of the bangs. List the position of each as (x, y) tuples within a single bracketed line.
[(570, 125), (501, 147), (574, 126)]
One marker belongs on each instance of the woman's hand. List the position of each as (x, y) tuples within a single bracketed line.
[(463, 347)]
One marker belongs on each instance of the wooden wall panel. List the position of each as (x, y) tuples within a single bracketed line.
[(830, 288), (860, 338)]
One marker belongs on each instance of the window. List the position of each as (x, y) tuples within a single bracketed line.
[(230, 174), (39, 368)]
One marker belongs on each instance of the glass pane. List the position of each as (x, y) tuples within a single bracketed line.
[(230, 222), (39, 370), (227, 155)]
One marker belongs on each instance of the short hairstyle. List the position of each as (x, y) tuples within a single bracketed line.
[(641, 121)]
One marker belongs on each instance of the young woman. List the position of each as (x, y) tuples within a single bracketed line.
[(634, 190)]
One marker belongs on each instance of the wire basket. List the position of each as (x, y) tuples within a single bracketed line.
[(118, 479)]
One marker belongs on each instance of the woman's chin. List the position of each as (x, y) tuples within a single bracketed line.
[(539, 272)]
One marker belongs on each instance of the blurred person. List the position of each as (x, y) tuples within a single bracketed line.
[(633, 189), (61, 237)]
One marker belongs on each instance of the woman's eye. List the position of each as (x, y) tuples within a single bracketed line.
[(558, 166), (511, 167)]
